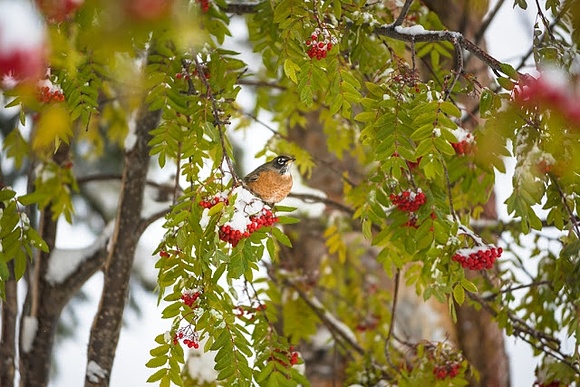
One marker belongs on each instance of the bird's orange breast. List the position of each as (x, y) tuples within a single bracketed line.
[(271, 187)]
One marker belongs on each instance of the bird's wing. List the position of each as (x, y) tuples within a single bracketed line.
[(252, 176)]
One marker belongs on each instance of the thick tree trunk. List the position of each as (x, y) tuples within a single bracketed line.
[(8, 339), (107, 324), (46, 300), (479, 337), (42, 308)]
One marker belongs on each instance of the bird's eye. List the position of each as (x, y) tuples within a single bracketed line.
[(281, 160)]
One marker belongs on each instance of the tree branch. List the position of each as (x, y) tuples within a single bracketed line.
[(407, 35), (108, 320)]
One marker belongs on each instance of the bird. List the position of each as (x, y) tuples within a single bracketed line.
[(271, 181)]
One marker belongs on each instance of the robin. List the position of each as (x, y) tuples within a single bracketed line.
[(271, 181)]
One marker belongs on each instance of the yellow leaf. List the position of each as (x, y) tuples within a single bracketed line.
[(53, 126)]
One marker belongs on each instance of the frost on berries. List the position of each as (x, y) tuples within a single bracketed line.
[(189, 296), (447, 362), (550, 90), (319, 43), (408, 201), (250, 214), (465, 142), (481, 256), (188, 336), (47, 92)]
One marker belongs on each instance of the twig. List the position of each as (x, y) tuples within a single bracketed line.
[(319, 199), (393, 314), (479, 35), (259, 83), (448, 184), (566, 206), (544, 20), (217, 121), (403, 14), (458, 69), (510, 289)]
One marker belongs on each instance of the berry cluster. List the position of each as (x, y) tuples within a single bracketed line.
[(188, 336), (449, 369), (233, 236), (187, 75), (204, 5), (478, 258), (544, 166), (550, 90), (319, 43), (212, 202), (45, 95), (463, 147), (291, 354), (408, 201), (250, 214), (189, 297)]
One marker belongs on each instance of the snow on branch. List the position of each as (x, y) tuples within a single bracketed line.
[(416, 34), (64, 262)]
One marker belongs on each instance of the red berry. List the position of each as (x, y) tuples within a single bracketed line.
[(163, 254)]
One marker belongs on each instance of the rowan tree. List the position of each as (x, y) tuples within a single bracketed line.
[(394, 112)]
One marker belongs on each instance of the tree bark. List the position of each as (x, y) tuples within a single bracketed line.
[(45, 300), (8, 339), (42, 305), (117, 271), (479, 337)]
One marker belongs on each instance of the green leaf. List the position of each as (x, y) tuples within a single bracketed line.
[(452, 311), (288, 220), (281, 237), (31, 198), (216, 208), (508, 70), (485, 102), (161, 350), (459, 294), (307, 96), (423, 132), (265, 372), (158, 375), (6, 194), (450, 109), (19, 263), (505, 83), (156, 362), (468, 285), (290, 69)]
